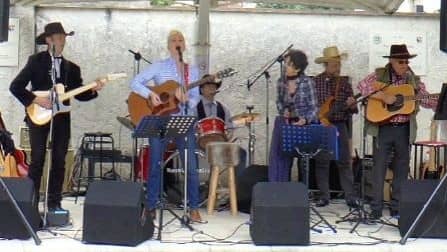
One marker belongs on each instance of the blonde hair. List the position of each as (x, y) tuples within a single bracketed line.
[(173, 33)]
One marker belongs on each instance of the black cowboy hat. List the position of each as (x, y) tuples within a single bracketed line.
[(399, 52), (50, 29), (217, 83)]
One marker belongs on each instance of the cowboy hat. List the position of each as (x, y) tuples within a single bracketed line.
[(330, 53), (217, 83), (399, 52), (50, 29)]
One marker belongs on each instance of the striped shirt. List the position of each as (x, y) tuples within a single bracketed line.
[(162, 71), (366, 86), (301, 104)]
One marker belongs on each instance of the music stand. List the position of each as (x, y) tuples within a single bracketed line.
[(440, 114), (168, 127), (306, 142)]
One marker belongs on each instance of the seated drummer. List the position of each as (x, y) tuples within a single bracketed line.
[(208, 106)]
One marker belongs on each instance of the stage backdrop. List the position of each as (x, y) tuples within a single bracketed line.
[(244, 40)]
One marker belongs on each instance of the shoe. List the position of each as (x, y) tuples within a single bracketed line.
[(151, 213), (375, 214), (352, 203), (322, 203), (194, 216), (394, 213)]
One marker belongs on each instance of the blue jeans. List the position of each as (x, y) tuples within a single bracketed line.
[(158, 147)]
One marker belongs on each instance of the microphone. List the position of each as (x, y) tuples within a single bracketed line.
[(70, 33), (179, 53), (136, 54)]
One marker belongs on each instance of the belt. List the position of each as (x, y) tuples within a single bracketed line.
[(396, 124)]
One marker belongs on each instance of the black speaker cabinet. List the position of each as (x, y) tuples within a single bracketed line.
[(245, 182), (11, 226), (114, 214), (4, 20), (415, 194), (280, 214)]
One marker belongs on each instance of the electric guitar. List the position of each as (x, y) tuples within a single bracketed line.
[(40, 115), (327, 107), (378, 111), (139, 106)]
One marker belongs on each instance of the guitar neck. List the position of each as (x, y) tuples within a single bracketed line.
[(421, 97), (74, 92)]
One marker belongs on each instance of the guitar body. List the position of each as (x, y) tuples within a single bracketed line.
[(8, 166), (324, 111), (22, 165), (40, 115), (377, 111), (140, 107)]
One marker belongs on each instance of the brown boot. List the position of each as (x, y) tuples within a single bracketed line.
[(150, 213), (194, 215)]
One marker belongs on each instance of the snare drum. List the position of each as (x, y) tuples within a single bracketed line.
[(210, 129)]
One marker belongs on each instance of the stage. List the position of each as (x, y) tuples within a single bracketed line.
[(224, 232)]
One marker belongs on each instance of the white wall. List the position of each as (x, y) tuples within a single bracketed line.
[(242, 40)]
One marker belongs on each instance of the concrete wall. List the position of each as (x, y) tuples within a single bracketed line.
[(242, 40)]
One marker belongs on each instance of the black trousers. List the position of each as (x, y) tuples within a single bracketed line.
[(344, 165), (38, 138), (391, 139)]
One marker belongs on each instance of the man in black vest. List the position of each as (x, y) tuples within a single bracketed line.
[(37, 71), (209, 107)]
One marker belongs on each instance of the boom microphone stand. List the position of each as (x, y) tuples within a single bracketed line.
[(264, 72)]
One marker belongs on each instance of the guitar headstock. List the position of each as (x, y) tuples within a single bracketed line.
[(227, 72), (115, 76)]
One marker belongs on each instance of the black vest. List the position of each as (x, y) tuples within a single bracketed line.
[(201, 111)]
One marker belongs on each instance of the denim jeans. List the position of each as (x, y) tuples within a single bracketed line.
[(158, 147)]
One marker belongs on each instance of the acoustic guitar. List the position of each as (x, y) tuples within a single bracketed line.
[(139, 106), (378, 111), (40, 115), (13, 159)]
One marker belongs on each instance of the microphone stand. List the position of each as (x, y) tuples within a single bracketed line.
[(54, 99), (361, 216), (136, 70), (136, 64), (264, 72)]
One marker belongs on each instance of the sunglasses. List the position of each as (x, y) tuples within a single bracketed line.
[(401, 62)]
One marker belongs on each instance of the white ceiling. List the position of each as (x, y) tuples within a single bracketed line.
[(378, 6)]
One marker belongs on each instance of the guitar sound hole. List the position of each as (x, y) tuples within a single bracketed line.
[(164, 97), (397, 104)]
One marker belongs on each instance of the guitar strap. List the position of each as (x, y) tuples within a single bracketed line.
[(186, 74)]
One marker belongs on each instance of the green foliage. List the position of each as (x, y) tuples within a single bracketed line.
[(162, 2)]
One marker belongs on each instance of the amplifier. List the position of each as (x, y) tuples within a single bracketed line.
[(69, 162)]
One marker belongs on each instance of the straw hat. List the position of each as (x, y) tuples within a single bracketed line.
[(331, 53)]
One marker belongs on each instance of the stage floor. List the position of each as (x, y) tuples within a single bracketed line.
[(224, 232)]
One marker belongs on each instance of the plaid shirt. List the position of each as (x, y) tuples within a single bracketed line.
[(325, 86), (303, 103), (366, 86)]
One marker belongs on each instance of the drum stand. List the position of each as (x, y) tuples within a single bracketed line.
[(251, 138)]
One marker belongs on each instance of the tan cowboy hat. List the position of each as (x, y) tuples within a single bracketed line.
[(331, 53), (50, 29)]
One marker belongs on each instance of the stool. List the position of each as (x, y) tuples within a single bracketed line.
[(97, 147), (437, 146), (222, 156)]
